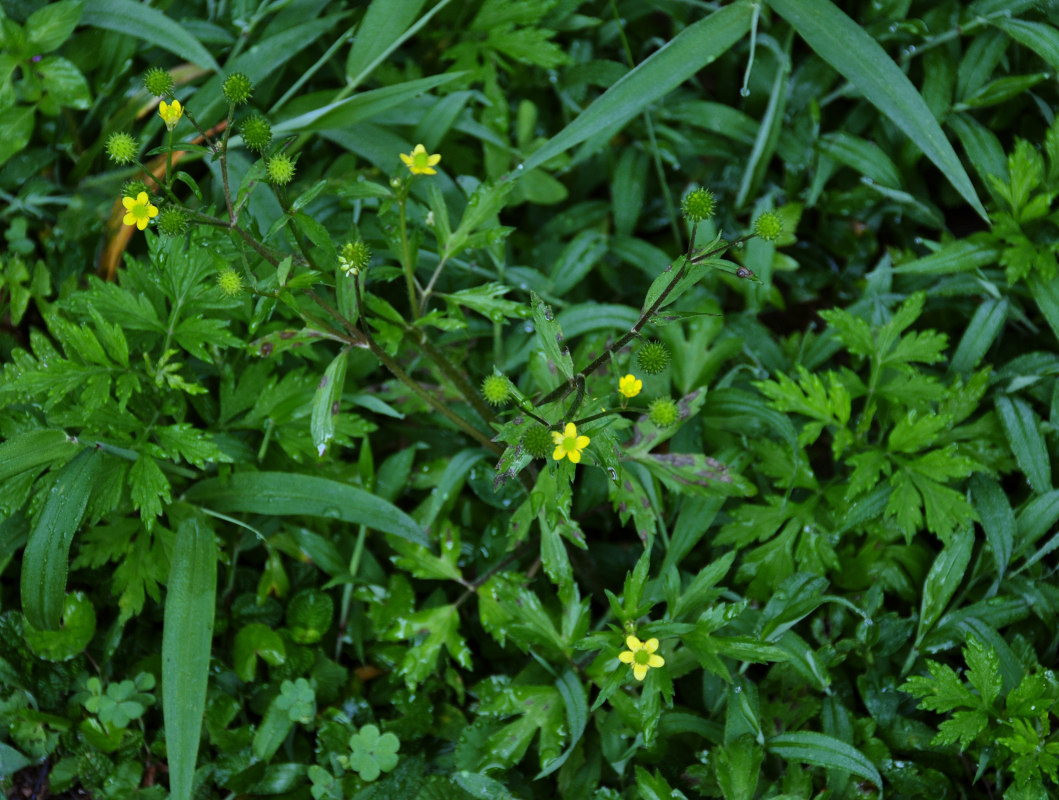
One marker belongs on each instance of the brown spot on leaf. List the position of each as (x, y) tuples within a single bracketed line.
[(266, 349)]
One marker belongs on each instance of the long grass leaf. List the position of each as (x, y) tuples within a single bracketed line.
[(844, 45)]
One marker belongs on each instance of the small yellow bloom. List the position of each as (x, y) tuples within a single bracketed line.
[(138, 210), (420, 162), (641, 655), (569, 444), (630, 385), (170, 113)]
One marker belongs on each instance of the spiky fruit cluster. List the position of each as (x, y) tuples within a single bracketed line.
[(158, 82), (653, 357), (133, 188), (768, 226), (121, 148), (237, 88), (230, 282), (496, 389), (257, 133), (280, 169), (663, 412), (537, 441), (698, 205), (354, 257), (172, 221)]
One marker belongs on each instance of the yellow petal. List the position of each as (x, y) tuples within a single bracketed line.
[(141, 223), (571, 429), (633, 643), (640, 671), (656, 661), (427, 171), (575, 456), (625, 657), (152, 211), (558, 454), (128, 202), (406, 159), (418, 149), (143, 198), (650, 645), (434, 159), (176, 107), (582, 442), (128, 219)]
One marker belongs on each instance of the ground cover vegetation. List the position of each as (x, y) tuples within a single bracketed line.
[(498, 399)]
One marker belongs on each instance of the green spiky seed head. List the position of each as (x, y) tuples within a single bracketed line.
[(538, 442), (172, 221), (121, 148), (768, 226), (158, 82), (280, 169), (257, 133), (698, 205), (309, 615), (496, 389), (354, 257), (653, 357), (133, 188), (237, 88), (663, 412), (230, 282)]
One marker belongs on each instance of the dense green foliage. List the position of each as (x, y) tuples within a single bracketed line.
[(334, 469)]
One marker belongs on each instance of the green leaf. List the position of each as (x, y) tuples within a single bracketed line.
[(151, 25), (16, 126), (981, 332), (45, 560), (149, 488), (573, 694), (962, 255), (998, 520), (825, 751), (48, 27), (287, 494), (254, 641), (1022, 429), (78, 628), (945, 576), (360, 107), (64, 85), (848, 48), (431, 629), (983, 669), (326, 403), (550, 338), (1046, 293), (32, 450), (384, 27), (859, 154), (187, 633), (1041, 38), (689, 51)]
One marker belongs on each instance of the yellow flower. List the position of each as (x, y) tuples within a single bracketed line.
[(641, 655), (569, 444), (420, 162), (630, 386), (170, 113), (138, 210)]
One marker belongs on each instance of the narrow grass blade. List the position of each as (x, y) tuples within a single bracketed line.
[(187, 634), (844, 45), (825, 751), (287, 494), (149, 24), (689, 51), (45, 561)]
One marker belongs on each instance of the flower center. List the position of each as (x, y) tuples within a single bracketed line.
[(569, 443), (139, 210), (422, 159), (641, 657)]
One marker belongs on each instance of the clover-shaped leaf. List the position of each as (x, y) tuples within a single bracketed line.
[(372, 753), (298, 699)]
